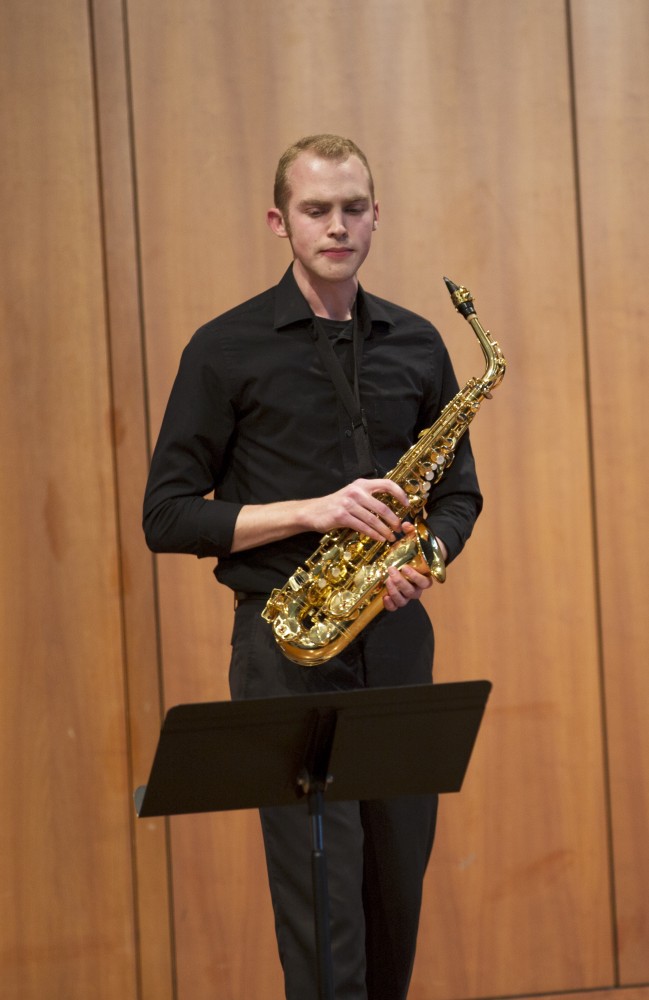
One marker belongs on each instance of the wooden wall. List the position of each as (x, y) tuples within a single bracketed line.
[(510, 145)]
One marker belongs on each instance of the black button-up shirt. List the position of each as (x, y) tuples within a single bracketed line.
[(254, 417)]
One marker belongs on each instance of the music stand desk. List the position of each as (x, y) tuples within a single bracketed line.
[(351, 745)]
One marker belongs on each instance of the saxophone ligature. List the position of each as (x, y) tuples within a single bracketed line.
[(325, 604)]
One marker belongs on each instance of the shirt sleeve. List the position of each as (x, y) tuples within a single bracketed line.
[(196, 429), (455, 501)]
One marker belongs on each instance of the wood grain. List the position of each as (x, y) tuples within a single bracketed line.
[(510, 145), (612, 87), (66, 906), (152, 914), (474, 169)]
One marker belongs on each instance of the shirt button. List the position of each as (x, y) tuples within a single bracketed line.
[(348, 434)]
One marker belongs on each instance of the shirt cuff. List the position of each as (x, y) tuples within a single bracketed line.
[(216, 527), (449, 534)]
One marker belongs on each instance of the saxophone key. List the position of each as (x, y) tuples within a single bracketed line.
[(299, 579), (320, 634), (412, 485), (342, 604), (287, 628), (335, 573), (354, 550), (318, 593)]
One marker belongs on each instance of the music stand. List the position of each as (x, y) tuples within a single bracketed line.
[(350, 745)]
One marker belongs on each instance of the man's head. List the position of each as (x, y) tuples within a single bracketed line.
[(325, 207), (327, 147)]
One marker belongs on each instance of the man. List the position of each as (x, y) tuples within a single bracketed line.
[(260, 414)]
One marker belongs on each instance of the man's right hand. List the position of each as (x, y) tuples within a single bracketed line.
[(354, 506)]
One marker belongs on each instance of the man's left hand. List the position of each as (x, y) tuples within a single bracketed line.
[(407, 584)]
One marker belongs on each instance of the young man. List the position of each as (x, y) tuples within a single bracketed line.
[(258, 415)]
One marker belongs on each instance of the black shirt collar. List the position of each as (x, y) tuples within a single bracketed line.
[(291, 308)]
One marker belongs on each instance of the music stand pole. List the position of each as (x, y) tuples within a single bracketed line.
[(313, 781)]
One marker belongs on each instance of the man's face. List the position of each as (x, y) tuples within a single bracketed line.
[(330, 217)]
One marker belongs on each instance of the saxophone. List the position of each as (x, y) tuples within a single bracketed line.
[(325, 605)]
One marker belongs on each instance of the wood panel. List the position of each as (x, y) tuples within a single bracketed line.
[(612, 88), (66, 900), (143, 688), (465, 111), (518, 886)]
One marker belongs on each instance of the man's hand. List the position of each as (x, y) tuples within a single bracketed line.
[(356, 506), (407, 584)]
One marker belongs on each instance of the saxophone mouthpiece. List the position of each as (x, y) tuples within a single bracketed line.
[(461, 298)]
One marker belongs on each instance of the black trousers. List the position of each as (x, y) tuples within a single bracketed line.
[(377, 851)]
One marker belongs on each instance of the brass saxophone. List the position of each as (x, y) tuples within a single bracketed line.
[(325, 605)]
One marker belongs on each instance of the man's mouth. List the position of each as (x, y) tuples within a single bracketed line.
[(337, 251)]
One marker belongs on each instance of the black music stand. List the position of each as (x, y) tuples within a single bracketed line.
[(367, 744)]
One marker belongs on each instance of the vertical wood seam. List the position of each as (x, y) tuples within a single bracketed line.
[(115, 477), (92, 28), (147, 429), (597, 571)]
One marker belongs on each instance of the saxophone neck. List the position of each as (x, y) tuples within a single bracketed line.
[(496, 364)]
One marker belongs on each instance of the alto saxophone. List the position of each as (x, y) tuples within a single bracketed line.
[(325, 605)]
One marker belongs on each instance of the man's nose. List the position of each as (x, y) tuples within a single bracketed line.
[(337, 225)]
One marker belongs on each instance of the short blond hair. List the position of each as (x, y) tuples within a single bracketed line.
[(329, 147)]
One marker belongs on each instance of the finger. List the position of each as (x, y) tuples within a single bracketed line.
[(386, 510), (366, 522), (377, 519), (379, 511), (404, 585), (421, 581), (399, 589), (365, 491), (389, 486), (373, 528)]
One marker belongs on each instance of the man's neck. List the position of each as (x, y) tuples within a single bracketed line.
[(328, 299)]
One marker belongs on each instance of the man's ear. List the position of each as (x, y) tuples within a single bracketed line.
[(376, 215), (275, 221)]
